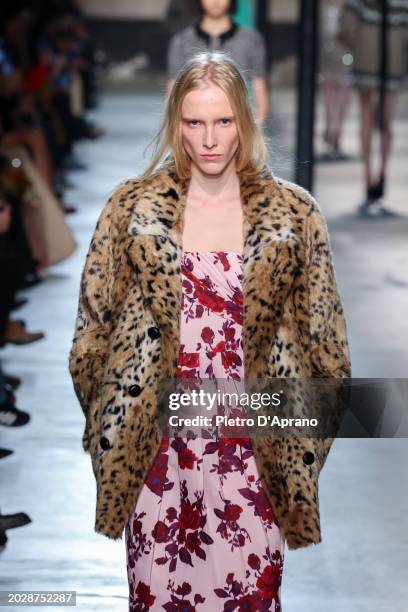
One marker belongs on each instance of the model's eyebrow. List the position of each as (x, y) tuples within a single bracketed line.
[(231, 117)]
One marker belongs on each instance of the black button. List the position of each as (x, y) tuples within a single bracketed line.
[(154, 332), (308, 458), (104, 442), (135, 390)]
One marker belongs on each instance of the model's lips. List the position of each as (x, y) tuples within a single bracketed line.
[(211, 155)]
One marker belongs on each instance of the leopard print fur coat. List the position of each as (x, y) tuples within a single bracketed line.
[(127, 335)]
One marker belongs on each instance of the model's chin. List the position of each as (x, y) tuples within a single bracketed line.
[(212, 169), (213, 166)]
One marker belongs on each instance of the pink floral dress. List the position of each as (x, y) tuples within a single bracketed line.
[(203, 535)]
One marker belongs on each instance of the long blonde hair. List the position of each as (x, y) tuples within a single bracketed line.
[(218, 68)]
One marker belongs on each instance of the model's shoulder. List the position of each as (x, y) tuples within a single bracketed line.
[(121, 199), (126, 188), (127, 193), (298, 196)]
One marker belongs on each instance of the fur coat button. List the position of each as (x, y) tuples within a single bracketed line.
[(104, 442), (308, 458), (135, 390), (154, 332)]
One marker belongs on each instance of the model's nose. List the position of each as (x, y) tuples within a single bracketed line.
[(209, 138)]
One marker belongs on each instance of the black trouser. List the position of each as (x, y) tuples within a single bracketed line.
[(11, 277)]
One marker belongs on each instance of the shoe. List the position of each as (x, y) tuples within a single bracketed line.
[(3, 541), (11, 521), (30, 280), (10, 416), (368, 209), (5, 452), (18, 303), (16, 334), (69, 209), (62, 183), (13, 381), (93, 132), (10, 397), (70, 163), (372, 209), (376, 192), (21, 322)]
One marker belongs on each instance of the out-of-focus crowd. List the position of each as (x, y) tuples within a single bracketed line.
[(47, 85)]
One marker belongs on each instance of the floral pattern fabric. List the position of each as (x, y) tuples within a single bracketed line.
[(203, 535)]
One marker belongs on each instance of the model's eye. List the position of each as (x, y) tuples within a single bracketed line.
[(193, 122), (225, 121)]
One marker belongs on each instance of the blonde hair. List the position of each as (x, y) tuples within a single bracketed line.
[(218, 68)]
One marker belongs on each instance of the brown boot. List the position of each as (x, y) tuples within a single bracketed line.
[(16, 334)]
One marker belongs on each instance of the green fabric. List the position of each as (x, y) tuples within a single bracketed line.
[(245, 15)]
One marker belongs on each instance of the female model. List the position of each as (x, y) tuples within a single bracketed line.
[(203, 520), (204, 267)]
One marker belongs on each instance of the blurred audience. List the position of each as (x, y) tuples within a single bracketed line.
[(47, 84)]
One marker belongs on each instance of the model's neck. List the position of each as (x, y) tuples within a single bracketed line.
[(204, 186), (216, 25)]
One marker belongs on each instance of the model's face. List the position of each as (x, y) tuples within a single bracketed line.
[(209, 130), (216, 8)]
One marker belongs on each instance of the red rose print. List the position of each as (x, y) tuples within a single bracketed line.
[(143, 595), (254, 561), (189, 360), (207, 335), (250, 603), (230, 358), (160, 532), (210, 300), (219, 347), (224, 260), (232, 512), (186, 459), (189, 517), (229, 333), (269, 581)]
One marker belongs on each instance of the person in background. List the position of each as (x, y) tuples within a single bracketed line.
[(216, 30), (360, 32), (335, 78)]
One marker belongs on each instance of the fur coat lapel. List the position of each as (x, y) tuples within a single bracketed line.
[(272, 257)]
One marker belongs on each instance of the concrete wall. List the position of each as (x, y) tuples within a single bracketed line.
[(125, 9)]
